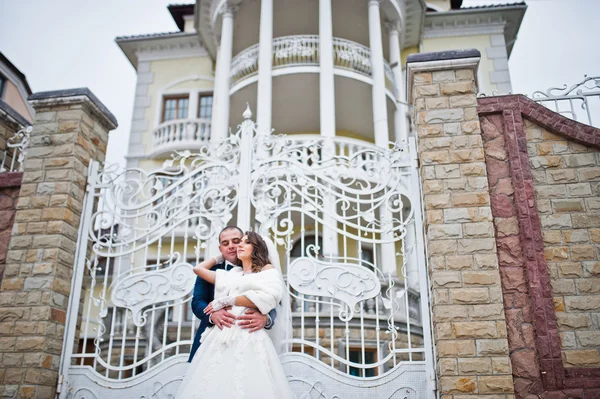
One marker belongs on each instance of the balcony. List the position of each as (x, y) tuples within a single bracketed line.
[(179, 134), (302, 52)]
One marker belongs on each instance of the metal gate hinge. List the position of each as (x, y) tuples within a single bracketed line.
[(61, 378)]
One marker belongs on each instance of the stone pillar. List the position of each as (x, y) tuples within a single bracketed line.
[(467, 309), (70, 129)]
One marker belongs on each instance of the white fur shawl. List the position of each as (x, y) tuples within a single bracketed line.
[(265, 289)]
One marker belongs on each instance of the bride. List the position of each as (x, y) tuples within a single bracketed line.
[(232, 362)]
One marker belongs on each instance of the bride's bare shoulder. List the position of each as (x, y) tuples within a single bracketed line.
[(268, 266)]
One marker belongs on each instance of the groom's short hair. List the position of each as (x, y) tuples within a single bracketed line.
[(230, 228)]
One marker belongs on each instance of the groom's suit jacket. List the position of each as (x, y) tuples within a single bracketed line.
[(204, 293)]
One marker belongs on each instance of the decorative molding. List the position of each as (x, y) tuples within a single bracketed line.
[(392, 28), (152, 53), (454, 30), (309, 69), (164, 46), (458, 22)]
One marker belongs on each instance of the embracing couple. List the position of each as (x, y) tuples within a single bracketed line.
[(239, 295)]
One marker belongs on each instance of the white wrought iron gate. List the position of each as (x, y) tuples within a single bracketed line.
[(345, 216)]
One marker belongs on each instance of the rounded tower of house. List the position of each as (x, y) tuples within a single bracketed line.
[(325, 67)]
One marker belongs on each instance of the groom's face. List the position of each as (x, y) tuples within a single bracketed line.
[(229, 243)]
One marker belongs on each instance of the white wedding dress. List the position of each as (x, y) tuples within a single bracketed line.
[(233, 363)]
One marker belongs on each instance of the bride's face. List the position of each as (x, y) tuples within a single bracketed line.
[(245, 249)]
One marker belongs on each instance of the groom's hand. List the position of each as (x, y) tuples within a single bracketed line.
[(252, 320), (222, 318)]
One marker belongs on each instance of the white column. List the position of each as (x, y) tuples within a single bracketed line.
[(326, 84), (379, 101), (327, 115), (400, 122), (220, 119), (265, 65), (380, 123), (193, 104)]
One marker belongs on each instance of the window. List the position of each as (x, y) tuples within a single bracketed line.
[(366, 255), (2, 84), (356, 357), (205, 106), (175, 108)]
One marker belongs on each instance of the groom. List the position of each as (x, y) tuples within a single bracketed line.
[(204, 292)]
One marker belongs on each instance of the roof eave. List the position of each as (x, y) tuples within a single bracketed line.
[(513, 14), (178, 11), (17, 72), (130, 44)]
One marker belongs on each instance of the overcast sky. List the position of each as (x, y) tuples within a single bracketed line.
[(61, 44)]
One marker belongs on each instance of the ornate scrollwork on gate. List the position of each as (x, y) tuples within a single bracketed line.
[(361, 183), (139, 291), (345, 282), (199, 187)]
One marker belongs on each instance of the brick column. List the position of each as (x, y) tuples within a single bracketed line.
[(468, 318), (70, 129)]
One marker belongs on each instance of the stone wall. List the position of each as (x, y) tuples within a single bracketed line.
[(567, 192), (469, 326), (10, 183), (70, 129), (541, 172)]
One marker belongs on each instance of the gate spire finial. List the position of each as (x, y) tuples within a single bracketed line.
[(247, 113)]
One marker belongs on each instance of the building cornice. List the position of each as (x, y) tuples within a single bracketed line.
[(465, 30), (476, 21), (161, 46)]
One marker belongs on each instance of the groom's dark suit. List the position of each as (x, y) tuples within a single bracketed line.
[(204, 293)]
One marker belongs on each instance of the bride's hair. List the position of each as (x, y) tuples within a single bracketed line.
[(260, 251)]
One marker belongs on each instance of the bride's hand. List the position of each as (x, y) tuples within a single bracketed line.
[(219, 304), (218, 259)]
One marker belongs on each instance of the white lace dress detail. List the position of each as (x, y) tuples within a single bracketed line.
[(233, 363)]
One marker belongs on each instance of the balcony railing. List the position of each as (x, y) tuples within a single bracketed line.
[(180, 134), (303, 50), (15, 151)]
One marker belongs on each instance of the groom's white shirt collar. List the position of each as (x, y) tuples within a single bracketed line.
[(228, 265)]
